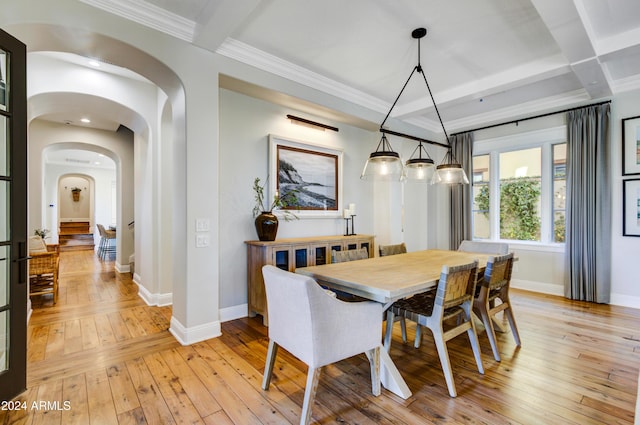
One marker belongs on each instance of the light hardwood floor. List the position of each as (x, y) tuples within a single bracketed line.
[(101, 356)]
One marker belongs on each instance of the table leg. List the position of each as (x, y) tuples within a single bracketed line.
[(390, 376)]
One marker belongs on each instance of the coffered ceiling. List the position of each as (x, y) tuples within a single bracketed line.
[(485, 60)]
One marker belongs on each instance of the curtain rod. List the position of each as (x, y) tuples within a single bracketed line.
[(531, 118)]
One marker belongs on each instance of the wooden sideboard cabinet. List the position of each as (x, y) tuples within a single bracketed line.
[(289, 254)]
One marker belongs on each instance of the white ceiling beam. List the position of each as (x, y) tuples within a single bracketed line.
[(508, 79), (219, 19), (569, 25)]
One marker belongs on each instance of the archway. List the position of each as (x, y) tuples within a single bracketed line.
[(146, 133)]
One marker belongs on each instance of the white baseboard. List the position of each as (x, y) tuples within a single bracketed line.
[(159, 300), (542, 287), (122, 268), (625, 300), (188, 336), (234, 312), (552, 289)]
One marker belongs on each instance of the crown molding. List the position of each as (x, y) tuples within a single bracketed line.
[(244, 53), (625, 84), (149, 15), (522, 110)]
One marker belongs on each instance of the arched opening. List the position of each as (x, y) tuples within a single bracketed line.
[(140, 195)]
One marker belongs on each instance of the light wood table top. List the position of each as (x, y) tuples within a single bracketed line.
[(387, 279)]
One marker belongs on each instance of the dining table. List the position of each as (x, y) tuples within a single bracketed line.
[(388, 279)]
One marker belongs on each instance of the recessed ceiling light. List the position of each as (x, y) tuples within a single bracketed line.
[(94, 63), (85, 120)]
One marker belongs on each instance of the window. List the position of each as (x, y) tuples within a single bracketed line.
[(480, 190), (559, 190), (519, 187)]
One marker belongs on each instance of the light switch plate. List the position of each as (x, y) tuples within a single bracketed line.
[(202, 225)]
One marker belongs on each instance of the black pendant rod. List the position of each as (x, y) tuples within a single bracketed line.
[(532, 118), (418, 33)]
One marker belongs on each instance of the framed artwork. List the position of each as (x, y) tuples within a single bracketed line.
[(312, 172), (631, 146), (631, 207)]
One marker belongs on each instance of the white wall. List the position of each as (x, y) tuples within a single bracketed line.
[(625, 277), (70, 209), (245, 124)]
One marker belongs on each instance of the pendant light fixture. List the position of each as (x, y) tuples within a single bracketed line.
[(419, 169), (383, 164), (447, 172)]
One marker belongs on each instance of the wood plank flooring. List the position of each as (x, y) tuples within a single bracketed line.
[(101, 356)]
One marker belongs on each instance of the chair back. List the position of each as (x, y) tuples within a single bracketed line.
[(349, 255), (497, 274), (100, 229), (37, 244), (456, 285), (497, 248), (385, 250)]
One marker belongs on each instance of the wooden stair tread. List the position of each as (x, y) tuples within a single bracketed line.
[(76, 241)]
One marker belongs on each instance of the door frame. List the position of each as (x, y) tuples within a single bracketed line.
[(13, 381)]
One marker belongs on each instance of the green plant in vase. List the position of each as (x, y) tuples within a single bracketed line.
[(266, 221)]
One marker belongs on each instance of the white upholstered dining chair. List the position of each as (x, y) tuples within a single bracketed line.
[(318, 329)]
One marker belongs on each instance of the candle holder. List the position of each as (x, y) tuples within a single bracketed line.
[(346, 221), (353, 224)]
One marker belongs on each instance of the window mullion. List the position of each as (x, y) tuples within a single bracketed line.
[(546, 200), (494, 195)]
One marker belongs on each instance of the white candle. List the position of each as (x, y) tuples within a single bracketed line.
[(345, 214), (352, 209)]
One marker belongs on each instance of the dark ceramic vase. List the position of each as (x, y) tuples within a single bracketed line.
[(266, 226)]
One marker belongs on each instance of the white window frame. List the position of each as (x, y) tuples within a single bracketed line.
[(544, 139)]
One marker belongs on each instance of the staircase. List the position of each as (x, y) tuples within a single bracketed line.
[(75, 236)]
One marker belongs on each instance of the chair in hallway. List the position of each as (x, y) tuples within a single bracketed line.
[(106, 236), (452, 299), (495, 286), (43, 268), (317, 329)]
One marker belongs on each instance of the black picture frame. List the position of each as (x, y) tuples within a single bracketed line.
[(314, 171), (631, 146), (631, 207)]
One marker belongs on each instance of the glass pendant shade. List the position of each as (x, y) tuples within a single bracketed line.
[(382, 165), (419, 169), (450, 174)]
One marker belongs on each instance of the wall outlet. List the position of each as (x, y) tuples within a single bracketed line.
[(202, 241)]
